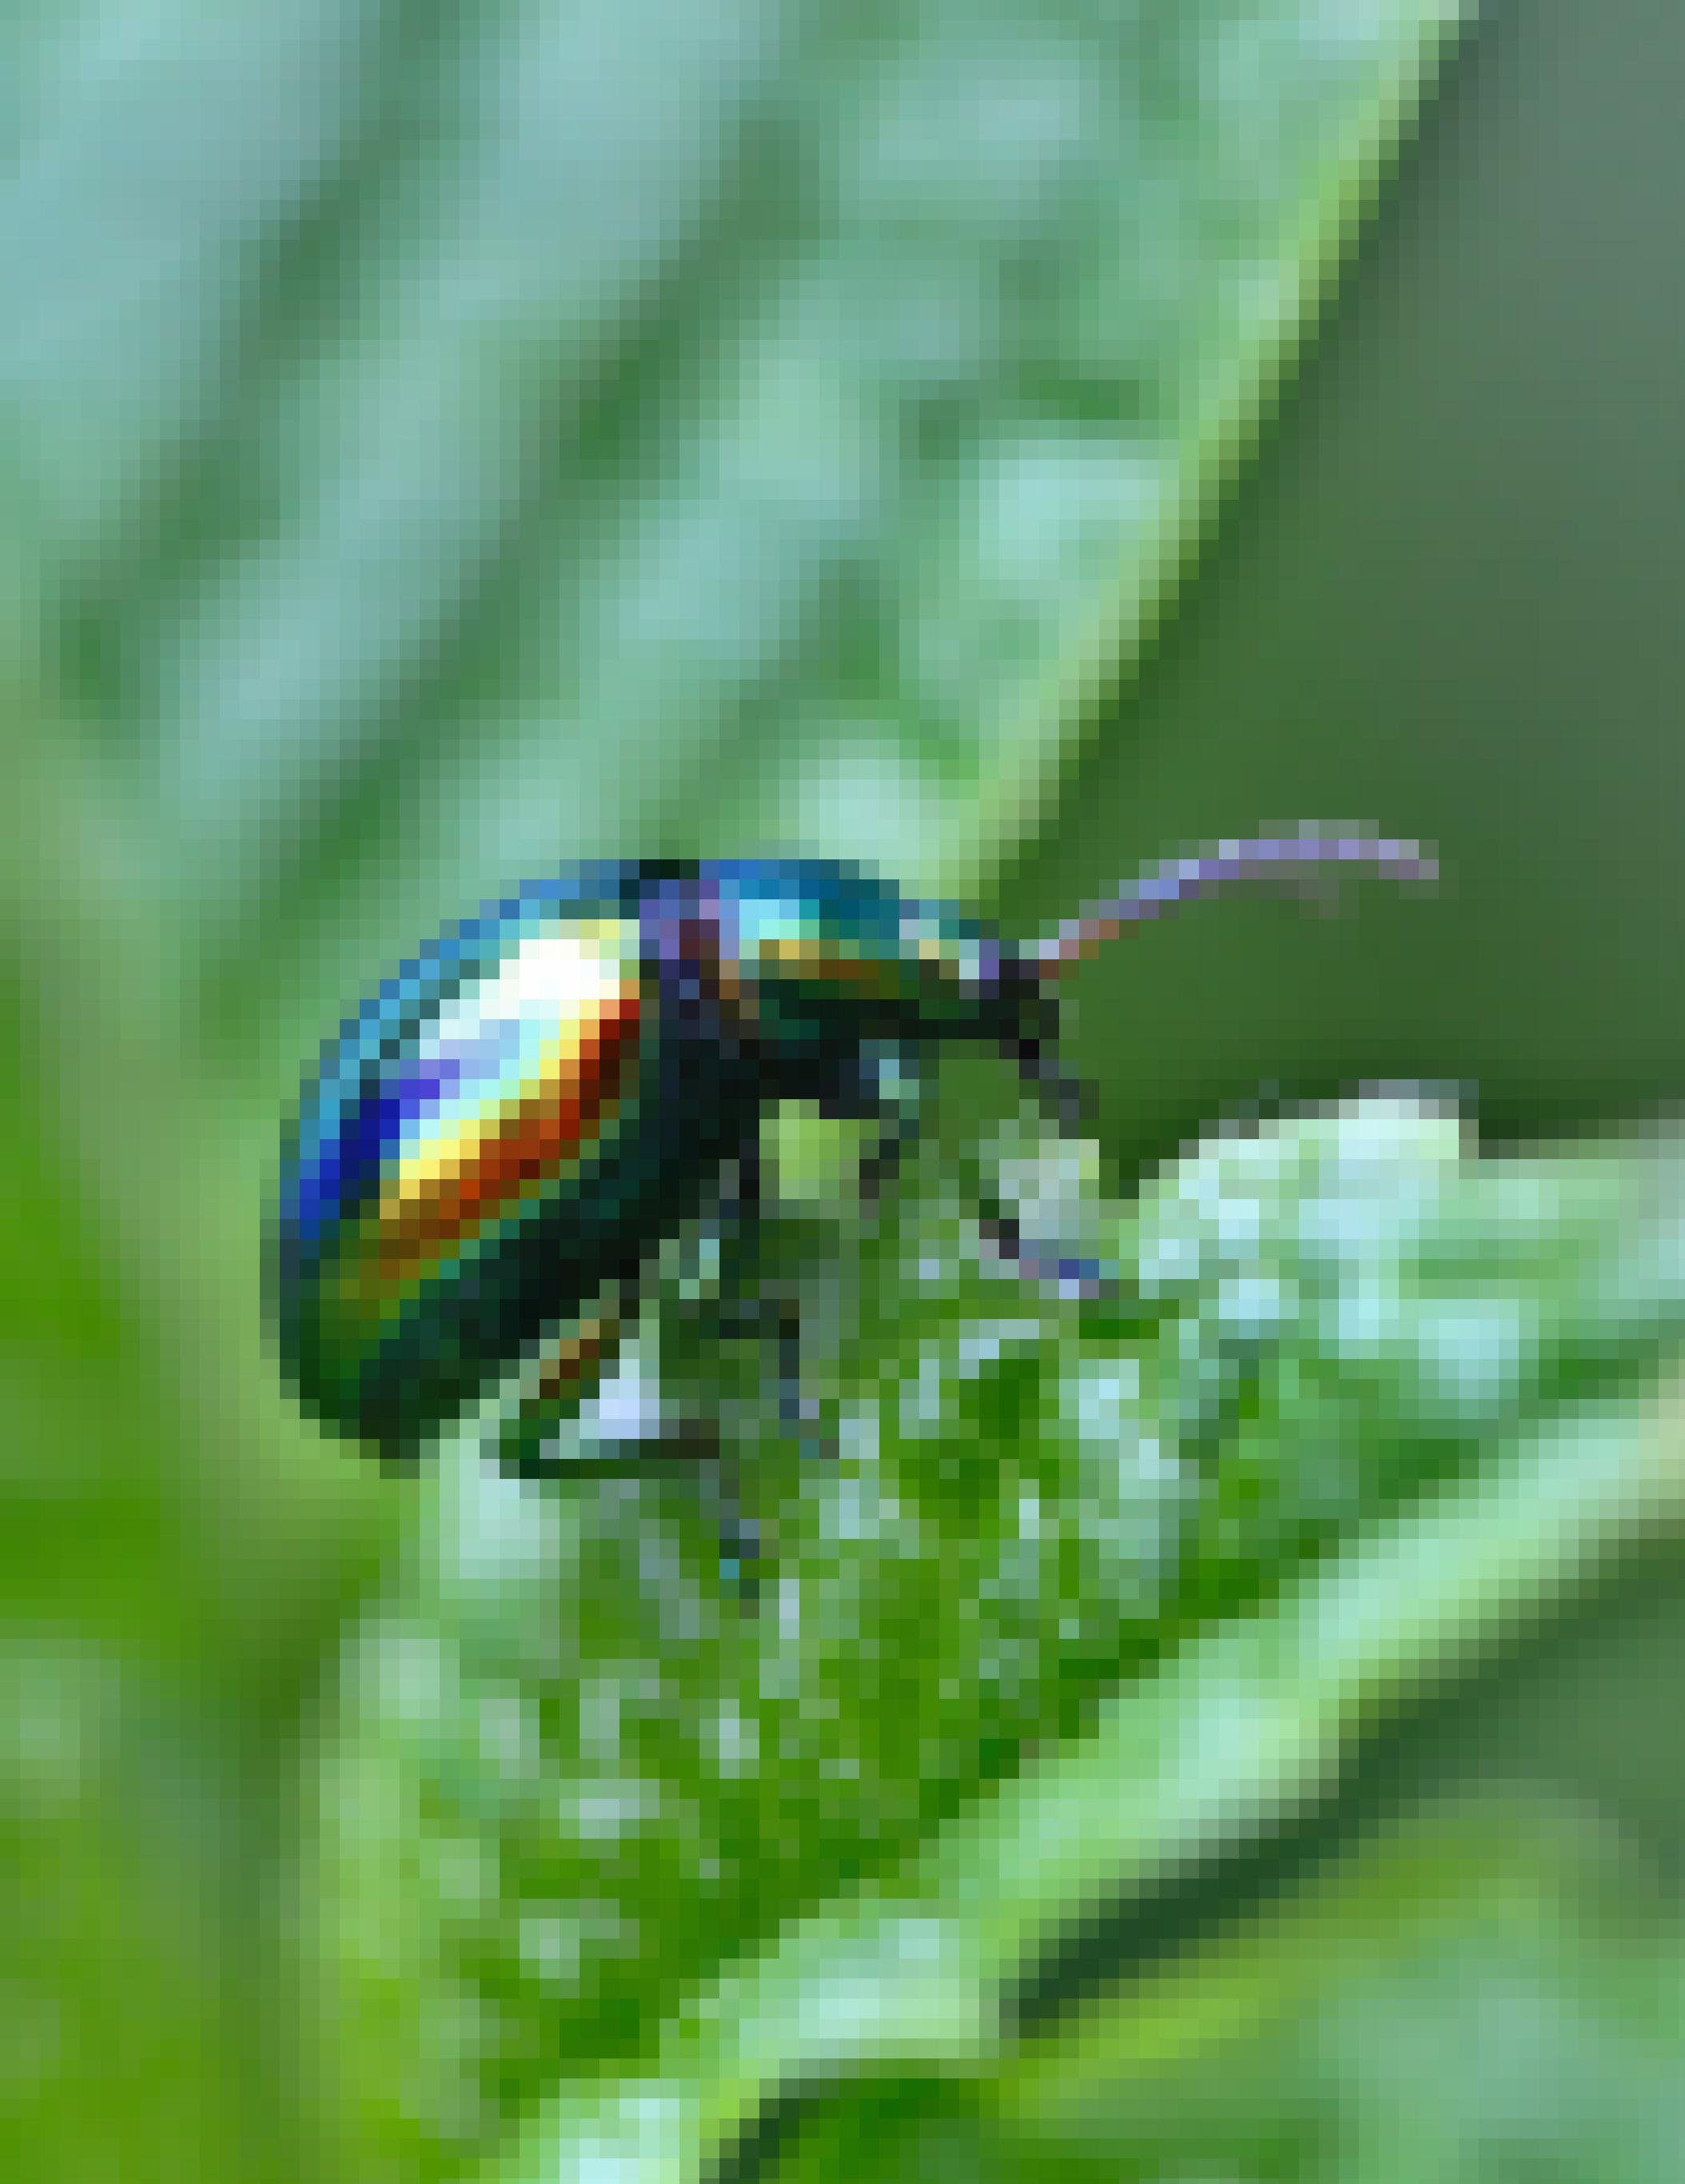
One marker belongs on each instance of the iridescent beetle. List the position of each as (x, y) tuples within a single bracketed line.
[(496, 1146)]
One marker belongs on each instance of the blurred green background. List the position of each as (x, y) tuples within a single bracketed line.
[(1006, 442)]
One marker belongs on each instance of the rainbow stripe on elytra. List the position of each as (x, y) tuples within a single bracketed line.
[(505, 1093)]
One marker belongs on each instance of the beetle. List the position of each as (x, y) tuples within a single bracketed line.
[(480, 1173)]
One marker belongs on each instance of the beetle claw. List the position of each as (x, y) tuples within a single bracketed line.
[(1065, 1100), (1070, 1276)]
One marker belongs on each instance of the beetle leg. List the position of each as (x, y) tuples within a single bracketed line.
[(883, 1084), (889, 1090), (739, 1535), (771, 1312), (1066, 1100), (882, 1162), (559, 1376), (1069, 1105), (742, 1191), (554, 1379), (1042, 1263)]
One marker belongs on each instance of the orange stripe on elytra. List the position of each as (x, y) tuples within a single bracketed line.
[(525, 1140)]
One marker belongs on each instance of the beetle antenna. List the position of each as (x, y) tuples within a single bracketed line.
[(1184, 879)]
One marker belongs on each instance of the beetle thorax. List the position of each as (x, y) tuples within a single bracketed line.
[(813, 961)]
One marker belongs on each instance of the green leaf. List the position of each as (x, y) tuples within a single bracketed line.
[(1497, 1989), (433, 440), (518, 433), (574, 1783), (1492, 1989)]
